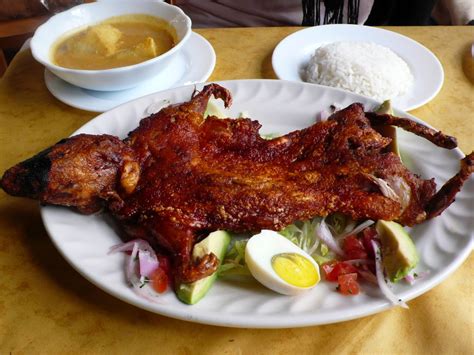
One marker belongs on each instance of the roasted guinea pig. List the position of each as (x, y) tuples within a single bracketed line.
[(179, 176)]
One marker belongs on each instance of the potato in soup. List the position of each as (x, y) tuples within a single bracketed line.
[(116, 42)]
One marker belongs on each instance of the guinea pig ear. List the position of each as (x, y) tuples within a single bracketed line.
[(200, 99), (129, 176)]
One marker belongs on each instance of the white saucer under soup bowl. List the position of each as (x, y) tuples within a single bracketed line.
[(121, 78)]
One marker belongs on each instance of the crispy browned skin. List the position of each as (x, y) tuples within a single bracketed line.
[(445, 196), (437, 137), (80, 172), (179, 176)]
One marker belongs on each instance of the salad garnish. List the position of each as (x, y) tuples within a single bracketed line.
[(383, 284), (143, 267), (345, 250)]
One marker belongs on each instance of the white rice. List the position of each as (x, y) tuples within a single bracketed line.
[(361, 67)]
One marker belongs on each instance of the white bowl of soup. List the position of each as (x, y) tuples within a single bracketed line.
[(110, 46)]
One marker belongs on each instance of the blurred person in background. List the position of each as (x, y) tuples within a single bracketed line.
[(246, 13), (454, 12), (20, 18), (16, 9)]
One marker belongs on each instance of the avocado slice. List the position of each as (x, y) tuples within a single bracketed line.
[(385, 107), (399, 254), (216, 243), (388, 131)]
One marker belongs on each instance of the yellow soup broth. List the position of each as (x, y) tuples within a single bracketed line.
[(115, 42)]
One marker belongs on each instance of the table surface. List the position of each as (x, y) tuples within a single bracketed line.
[(47, 307)]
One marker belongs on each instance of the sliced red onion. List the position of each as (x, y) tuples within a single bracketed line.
[(349, 227), (142, 244), (138, 282), (402, 189), (138, 286), (147, 258), (323, 232), (130, 268), (422, 275), (357, 229), (410, 279), (122, 247), (383, 285), (148, 262), (384, 187), (368, 276), (359, 261), (139, 266)]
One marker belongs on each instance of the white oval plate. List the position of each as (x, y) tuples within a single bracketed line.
[(291, 56), (281, 106), (193, 64)]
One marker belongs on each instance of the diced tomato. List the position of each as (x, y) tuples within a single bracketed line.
[(164, 263), (369, 234), (159, 280), (345, 274), (353, 248), (334, 269), (348, 284), (328, 267)]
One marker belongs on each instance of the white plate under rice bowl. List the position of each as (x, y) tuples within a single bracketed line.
[(364, 68)]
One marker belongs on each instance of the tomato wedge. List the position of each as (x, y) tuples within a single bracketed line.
[(354, 249), (345, 273), (334, 269), (159, 280), (369, 234), (348, 284), (164, 263)]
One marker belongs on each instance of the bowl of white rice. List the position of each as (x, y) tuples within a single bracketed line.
[(364, 68)]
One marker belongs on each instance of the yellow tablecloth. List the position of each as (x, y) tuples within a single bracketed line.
[(47, 307)]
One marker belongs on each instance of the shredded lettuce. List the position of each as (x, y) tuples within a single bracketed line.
[(324, 249), (321, 259), (269, 135), (234, 261), (303, 234), (337, 222), (214, 108)]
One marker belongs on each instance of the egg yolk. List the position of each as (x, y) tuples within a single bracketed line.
[(295, 269)]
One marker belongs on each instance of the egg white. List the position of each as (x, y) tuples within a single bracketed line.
[(258, 255)]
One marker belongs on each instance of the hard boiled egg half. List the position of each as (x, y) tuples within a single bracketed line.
[(279, 264)]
